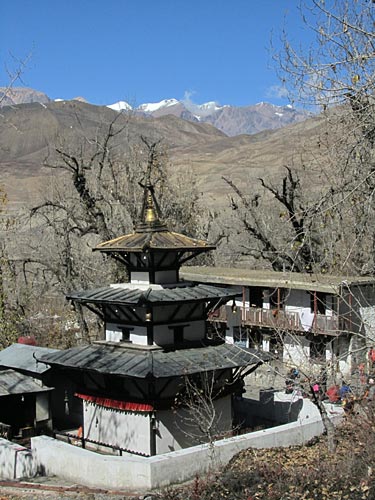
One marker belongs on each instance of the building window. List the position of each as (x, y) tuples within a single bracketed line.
[(178, 333), (125, 334), (318, 302), (256, 297)]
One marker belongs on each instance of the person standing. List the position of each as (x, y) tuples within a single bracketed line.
[(371, 357)]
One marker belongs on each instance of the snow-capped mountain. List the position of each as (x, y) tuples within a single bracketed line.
[(120, 106), (232, 120), (151, 107)]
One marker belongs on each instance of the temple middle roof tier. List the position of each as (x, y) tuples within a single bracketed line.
[(155, 294), (161, 240), (157, 363)]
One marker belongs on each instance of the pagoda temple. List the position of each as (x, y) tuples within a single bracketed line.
[(133, 384)]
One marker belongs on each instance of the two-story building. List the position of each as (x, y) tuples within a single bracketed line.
[(306, 319)]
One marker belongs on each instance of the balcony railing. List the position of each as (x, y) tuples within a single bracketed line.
[(278, 319)]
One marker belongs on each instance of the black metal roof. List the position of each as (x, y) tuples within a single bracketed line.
[(155, 295), (12, 382), (141, 363), (23, 357)]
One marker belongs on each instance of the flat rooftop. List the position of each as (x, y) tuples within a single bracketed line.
[(272, 279)]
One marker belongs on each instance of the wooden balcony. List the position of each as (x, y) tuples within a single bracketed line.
[(278, 320)]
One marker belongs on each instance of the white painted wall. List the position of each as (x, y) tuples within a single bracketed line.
[(367, 314), (265, 343), (42, 406), (15, 461), (124, 429), (129, 471), (161, 277), (138, 334), (296, 350), (180, 429), (163, 335), (298, 301), (364, 318), (139, 277)]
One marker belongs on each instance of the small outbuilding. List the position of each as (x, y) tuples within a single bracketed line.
[(24, 405)]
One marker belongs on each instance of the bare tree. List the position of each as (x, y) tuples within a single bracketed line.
[(288, 238), (95, 197), (10, 315), (14, 75), (319, 215), (336, 74), (198, 414)]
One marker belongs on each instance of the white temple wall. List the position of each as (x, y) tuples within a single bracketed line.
[(117, 428), (180, 429), (140, 277), (138, 334), (163, 334), (129, 471)]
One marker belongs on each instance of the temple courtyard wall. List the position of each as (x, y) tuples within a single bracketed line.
[(51, 457)]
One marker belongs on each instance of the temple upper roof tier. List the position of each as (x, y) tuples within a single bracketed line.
[(157, 240), (129, 294)]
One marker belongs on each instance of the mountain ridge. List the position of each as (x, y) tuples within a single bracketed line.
[(232, 120), (30, 132)]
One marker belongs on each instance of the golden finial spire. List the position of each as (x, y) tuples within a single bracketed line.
[(150, 214)]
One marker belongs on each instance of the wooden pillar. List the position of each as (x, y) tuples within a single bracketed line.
[(152, 392), (243, 303), (315, 309), (152, 434)]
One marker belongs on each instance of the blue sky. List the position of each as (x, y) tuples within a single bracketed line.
[(147, 50)]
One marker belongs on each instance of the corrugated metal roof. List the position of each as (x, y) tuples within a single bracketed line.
[(266, 278), (153, 240), (12, 382), (21, 357), (137, 296), (159, 363)]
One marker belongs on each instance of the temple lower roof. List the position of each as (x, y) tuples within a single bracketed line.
[(118, 360)]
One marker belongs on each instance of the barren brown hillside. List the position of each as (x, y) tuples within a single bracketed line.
[(29, 131)]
